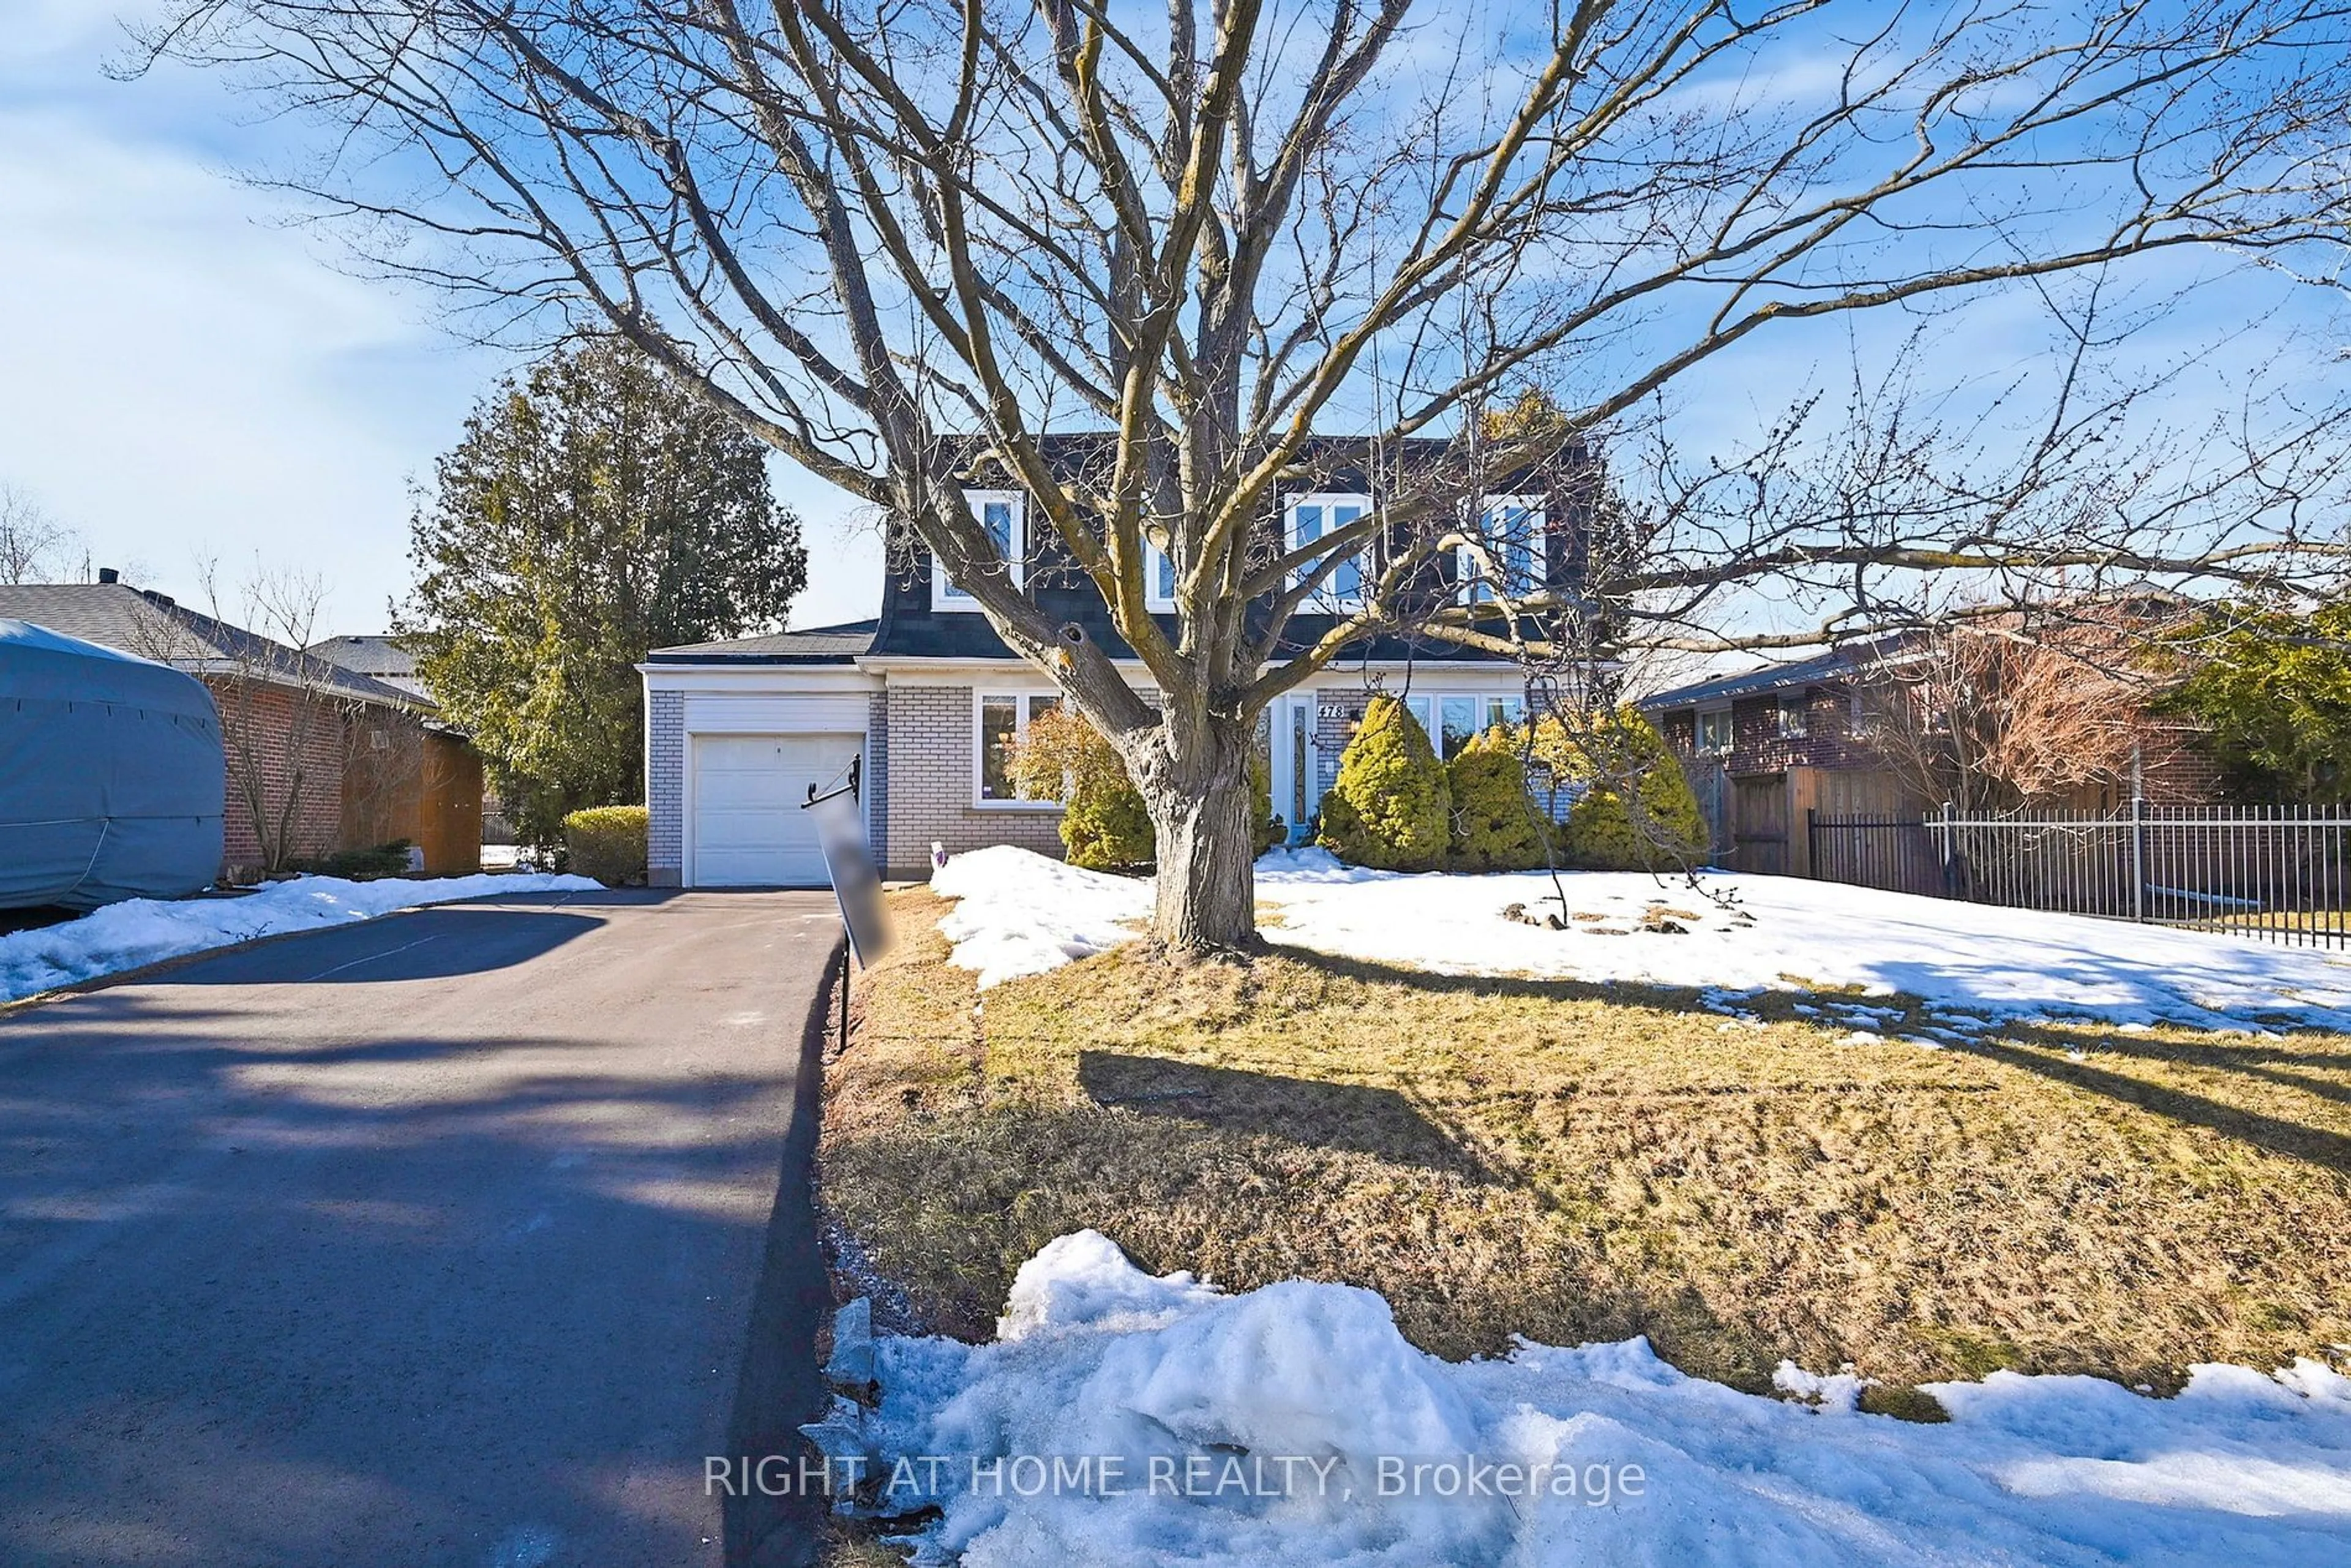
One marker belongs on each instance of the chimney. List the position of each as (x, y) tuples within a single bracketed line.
[(107, 574)]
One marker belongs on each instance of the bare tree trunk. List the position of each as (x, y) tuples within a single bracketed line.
[(1200, 816)]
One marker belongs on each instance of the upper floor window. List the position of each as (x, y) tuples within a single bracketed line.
[(1714, 731), (1795, 718), (1004, 513), (1318, 517), (1511, 554), (1158, 579)]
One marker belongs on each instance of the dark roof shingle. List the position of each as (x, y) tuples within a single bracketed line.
[(816, 645), (154, 626)]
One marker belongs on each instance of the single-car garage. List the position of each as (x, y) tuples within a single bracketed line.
[(745, 825), (734, 734)]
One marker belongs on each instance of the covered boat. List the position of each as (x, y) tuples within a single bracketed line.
[(111, 774)]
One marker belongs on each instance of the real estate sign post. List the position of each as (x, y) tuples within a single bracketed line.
[(856, 881)]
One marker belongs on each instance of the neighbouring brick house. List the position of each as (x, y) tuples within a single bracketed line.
[(1764, 747), (930, 700), (430, 789), (373, 764)]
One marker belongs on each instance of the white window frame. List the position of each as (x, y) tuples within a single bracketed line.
[(1795, 718), (1483, 703), (1022, 700), (1698, 731), (1153, 558), (1327, 598), (1470, 572), (944, 595)]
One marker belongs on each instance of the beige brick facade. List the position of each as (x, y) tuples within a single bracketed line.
[(928, 796)]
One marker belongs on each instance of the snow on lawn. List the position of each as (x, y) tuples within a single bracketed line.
[(1121, 1419), (1021, 913), (147, 930)]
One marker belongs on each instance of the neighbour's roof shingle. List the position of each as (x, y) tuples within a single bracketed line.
[(1835, 666), (154, 626), (376, 655)]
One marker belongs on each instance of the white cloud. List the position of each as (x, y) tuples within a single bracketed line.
[(184, 373)]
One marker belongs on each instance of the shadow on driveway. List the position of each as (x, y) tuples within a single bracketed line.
[(427, 1240)]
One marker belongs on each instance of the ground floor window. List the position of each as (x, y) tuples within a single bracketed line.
[(1452, 720), (1003, 719)]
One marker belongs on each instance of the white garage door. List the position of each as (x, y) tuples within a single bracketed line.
[(749, 827)]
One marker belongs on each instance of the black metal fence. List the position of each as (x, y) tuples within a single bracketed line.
[(2281, 874)]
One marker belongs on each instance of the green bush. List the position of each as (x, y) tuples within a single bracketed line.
[(1104, 826), (1265, 829), (1636, 811), (358, 865), (2271, 693), (1494, 824), (607, 842), (1389, 807)]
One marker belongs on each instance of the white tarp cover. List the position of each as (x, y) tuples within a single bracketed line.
[(111, 774)]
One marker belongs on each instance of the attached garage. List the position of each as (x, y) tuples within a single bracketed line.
[(734, 734), (745, 825)]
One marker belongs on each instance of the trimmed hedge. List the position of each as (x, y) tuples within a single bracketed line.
[(358, 865), (1390, 805), (607, 842), (1494, 825), (1635, 810)]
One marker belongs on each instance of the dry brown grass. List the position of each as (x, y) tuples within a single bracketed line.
[(1573, 1162), (847, 1545)]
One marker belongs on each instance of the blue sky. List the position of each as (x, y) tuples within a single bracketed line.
[(182, 374)]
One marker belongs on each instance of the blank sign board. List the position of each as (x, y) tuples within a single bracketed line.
[(856, 881)]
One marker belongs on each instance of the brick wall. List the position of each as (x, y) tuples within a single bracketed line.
[(279, 743), (877, 778), (1337, 716), (2175, 772), (1828, 741), (666, 790), (2175, 769), (928, 794)]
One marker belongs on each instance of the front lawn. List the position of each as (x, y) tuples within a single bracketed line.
[(1574, 1161)]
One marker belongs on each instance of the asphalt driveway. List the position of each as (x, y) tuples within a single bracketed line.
[(434, 1240)]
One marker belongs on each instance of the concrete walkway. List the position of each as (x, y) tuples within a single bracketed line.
[(434, 1240)]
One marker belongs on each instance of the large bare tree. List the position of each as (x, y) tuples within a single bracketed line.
[(890, 236)]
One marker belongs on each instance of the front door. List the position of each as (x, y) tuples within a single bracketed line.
[(1295, 799)]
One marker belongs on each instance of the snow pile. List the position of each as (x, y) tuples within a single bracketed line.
[(1295, 1425), (1810, 935), (1022, 914), (148, 930)]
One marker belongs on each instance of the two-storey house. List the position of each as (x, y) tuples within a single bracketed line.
[(930, 701)]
